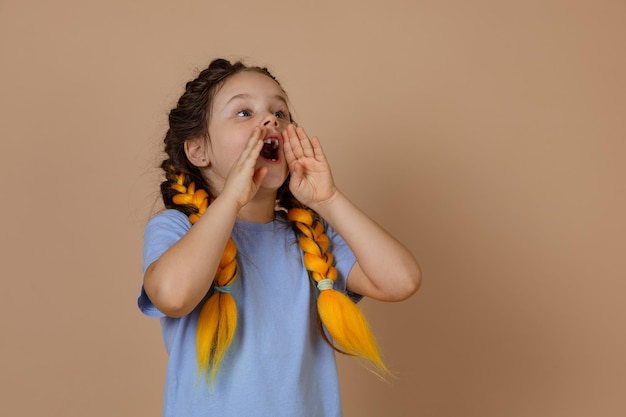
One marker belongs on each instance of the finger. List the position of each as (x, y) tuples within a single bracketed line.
[(254, 145), (305, 142), (258, 176), (296, 174), (290, 157), (317, 149), (294, 142)]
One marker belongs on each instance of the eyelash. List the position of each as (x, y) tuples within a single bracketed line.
[(279, 114)]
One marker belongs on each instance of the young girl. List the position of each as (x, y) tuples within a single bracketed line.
[(249, 265)]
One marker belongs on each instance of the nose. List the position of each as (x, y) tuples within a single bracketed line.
[(271, 120)]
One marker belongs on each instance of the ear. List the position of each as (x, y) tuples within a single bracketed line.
[(196, 151)]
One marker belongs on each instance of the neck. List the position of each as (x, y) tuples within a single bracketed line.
[(260, 209)]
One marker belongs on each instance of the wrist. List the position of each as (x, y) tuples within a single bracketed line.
[(226, 204), (325, 206)]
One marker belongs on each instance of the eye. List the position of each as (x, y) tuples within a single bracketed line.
[(244, 113), (280, 114)]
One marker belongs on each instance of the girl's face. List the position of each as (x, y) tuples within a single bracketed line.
[(246, 100)]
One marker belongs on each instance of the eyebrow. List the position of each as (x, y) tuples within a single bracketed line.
[(244, 96)]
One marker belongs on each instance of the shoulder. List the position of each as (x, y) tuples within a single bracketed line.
[(168, 220), (161, 232)]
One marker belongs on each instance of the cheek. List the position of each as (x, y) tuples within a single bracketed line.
[(237, 141), (230, 148)]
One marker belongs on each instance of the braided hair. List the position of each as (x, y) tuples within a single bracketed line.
[(185, 189)]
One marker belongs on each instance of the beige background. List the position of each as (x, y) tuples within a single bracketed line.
[(489, 136)]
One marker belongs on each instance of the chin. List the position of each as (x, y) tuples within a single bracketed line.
[(272, 185), (274, 180)]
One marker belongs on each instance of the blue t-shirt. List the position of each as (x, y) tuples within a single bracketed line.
[(278, 364)]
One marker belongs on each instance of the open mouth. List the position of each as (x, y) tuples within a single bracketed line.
[(270, 149)]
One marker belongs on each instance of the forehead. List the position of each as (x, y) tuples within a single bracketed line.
[(248, 83)]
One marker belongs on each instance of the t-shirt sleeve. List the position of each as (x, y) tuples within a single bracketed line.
[(161, 232), (344, 261)]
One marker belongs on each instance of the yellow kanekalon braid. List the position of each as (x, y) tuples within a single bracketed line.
[(190, 197), (217, 321), (339, 314)]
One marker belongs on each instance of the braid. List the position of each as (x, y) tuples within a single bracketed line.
[(217, 321), (185, 189), (341, 317), (218, 318), (189, 196)]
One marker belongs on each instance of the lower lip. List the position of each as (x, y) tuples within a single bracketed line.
[(271, 161)]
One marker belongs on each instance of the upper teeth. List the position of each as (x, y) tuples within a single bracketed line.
[(271, 141)]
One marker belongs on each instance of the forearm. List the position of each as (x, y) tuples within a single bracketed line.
[(181, 277), (385, 269)]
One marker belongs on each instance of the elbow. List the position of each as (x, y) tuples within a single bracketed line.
[(410, 284), (415, 281), (402, 283), (167, 302), (415, 278), (165, 297), (173, 309)]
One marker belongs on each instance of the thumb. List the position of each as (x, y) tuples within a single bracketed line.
[(259, 175), (296, 173)]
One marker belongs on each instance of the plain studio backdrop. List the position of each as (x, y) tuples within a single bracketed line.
[(489, 136)]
